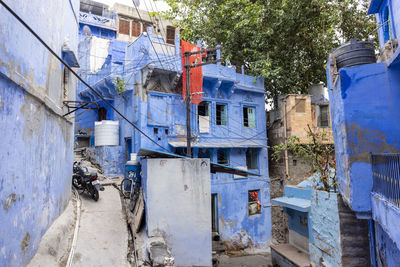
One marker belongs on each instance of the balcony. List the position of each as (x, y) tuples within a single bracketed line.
[(386, 176), (385, 196), (96, 20)]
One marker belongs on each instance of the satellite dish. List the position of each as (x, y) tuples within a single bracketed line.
[(87, 31)]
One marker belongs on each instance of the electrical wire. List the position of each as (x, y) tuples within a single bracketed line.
[(148, 35), (74, 73)]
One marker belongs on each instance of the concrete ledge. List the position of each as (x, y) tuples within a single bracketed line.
[(387, 215)]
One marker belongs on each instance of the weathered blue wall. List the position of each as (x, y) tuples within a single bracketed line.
[(386, 215), (365, 105), (387, 252), (325, 240), (36, 141), (378, 7)]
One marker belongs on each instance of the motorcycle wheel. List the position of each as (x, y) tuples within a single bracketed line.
[(95, 194), (77, 184)]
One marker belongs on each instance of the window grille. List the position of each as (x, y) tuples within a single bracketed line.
[(221, 115)]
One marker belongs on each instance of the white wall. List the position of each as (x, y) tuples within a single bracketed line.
[(177, 194)]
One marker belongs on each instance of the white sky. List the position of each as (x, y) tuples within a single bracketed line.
[(161, 5)]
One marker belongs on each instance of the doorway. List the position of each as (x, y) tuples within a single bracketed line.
[(214, 213), (128, 148)]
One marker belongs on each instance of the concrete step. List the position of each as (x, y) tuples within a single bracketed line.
[(355, 262), (288, 255)]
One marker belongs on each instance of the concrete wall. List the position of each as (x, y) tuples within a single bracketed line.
[(178, 200), (364, 111), (37, 142)]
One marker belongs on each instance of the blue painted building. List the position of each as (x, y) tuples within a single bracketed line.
[(228, 127), (365, 109), (36, 141)]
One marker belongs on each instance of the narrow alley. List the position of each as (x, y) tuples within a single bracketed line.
[(102, 238), (187, 133)]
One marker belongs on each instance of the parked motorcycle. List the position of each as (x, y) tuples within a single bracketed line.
[(84, 181)]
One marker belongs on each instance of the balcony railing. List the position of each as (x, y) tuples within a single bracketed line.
[(386, 176), (98, 20)]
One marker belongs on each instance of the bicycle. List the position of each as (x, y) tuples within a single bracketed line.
[(128, 184)]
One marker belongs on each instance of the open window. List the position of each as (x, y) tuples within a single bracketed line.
[(203, 117), (249, 117), (386, 22), (254, 202), (221, 114), (252, 158), (223, 156), (102, 114), (323, 118)]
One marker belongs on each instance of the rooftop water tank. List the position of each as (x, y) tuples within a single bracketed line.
[(355, 53), (106, 133)]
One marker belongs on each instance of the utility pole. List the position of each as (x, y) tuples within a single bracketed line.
[(188, 67)]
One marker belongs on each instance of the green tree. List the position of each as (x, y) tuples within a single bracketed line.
[(285, 41), (316, 151)]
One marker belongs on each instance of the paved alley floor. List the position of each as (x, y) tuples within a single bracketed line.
[(103, 235)]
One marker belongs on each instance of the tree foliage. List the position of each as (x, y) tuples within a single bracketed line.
[(316, 151), (285, 41)]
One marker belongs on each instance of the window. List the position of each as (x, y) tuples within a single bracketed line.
[(249, 117), (170, 35), (252, 158), (387, 29), (204, 153), (203, 117), (166, 132), (254, 202), (323, 120), (221, 114), (300, 105), (102, 113), (155, 130), (136, 29), (223, 156), (124, 26)]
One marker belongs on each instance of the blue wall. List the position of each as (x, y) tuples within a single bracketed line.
[(36, 141), (387, 252), (379, 8), (365, 107)]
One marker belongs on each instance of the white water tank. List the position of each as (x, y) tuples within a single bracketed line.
[(106, 133)]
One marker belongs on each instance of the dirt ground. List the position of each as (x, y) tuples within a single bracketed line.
[(259, 260)]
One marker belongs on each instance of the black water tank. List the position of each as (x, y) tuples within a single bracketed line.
[(355, 53)]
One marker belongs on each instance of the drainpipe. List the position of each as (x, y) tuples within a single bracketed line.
[(285, 136)]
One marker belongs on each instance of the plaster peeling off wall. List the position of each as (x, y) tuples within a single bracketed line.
[(98, 52)]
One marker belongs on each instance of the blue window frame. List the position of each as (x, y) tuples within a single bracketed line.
[(221, 114), (249, 117)]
